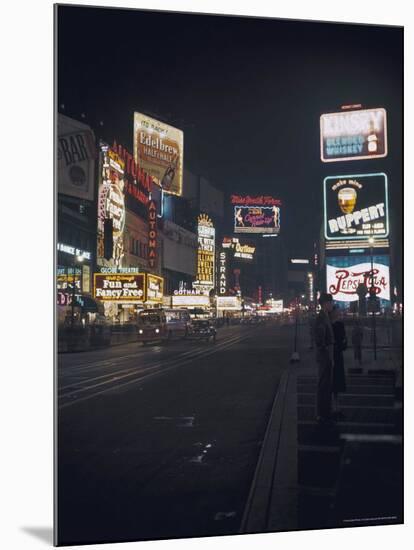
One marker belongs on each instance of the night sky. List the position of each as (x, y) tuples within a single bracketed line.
[(248, 93)]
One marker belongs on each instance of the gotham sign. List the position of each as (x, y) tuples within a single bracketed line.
[(356, 207)]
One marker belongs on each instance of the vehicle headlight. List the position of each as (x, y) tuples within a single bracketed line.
[(157, 330), (141, 331)]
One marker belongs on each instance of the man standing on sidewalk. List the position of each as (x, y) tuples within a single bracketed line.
[(324, 341)]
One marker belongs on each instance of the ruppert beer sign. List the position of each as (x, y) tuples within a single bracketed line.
[(354, 135), (356, 207)]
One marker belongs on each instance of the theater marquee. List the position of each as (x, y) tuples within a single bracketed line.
[(119, 288)]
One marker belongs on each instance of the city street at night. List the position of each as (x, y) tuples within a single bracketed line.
[(228, 278), (163, 441)]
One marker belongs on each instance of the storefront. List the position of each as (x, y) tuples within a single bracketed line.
[(228, 306)]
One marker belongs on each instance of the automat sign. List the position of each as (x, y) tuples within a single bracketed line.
[(354, 135), (356, 207), (119, 288)]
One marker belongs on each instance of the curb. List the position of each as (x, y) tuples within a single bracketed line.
[(275, 471)]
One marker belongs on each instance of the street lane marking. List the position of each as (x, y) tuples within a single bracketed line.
[(172, 365), (195, 351)]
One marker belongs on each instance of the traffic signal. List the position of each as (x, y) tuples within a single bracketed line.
[(108, 238)]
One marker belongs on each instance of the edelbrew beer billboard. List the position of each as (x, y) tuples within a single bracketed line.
[(345, 273), (260, 214), (353, 135), (159, 151), (356, 207)]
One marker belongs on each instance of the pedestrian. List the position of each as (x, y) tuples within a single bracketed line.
[(324, 341), (357, 337), (311, 330), (338, 373)]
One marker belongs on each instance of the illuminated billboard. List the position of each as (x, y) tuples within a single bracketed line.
[(119, 287), (159, 150), (155, 288), (228, 303), (356, 207), (111, 205), (205, 253), (240, 251), (257, 219), (345, 273), (256, 214), (354, 135)]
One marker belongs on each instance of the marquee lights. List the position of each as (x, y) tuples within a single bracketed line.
[(205, 253)]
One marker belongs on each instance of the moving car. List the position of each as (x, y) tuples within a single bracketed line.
[(203, 329)]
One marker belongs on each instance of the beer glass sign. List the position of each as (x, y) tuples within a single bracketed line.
[(356, 207)]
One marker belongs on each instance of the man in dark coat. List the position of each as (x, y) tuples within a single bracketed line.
[(338, 373), (324, 341)]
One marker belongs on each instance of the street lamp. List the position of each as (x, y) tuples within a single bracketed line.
[(295, 355), (372, 295)]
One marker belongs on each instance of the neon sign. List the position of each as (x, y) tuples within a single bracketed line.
[(354, 135), (152, 234), (205, 253)]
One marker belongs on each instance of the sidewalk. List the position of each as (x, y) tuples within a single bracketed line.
[(313, 477)]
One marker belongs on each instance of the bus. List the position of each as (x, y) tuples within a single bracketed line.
[(163, 325)]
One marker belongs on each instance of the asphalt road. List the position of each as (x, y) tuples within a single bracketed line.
[(162, 441)]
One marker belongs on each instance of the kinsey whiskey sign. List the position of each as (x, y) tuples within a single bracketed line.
[(354, 135)]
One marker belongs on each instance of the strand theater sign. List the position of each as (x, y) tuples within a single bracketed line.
[(354, 135)]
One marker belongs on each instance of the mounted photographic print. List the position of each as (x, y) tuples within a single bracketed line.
[(229, 275)]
